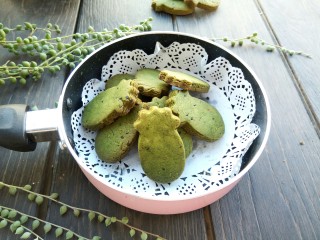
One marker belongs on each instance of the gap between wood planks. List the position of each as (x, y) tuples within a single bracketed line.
[(308, 106), (208, 223)]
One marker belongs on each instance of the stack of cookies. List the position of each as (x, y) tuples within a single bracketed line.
[(164, 120)]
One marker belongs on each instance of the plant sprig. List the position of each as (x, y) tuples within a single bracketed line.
[(53, 52), (254, 38), (8, 215)]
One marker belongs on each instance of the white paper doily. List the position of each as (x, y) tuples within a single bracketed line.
[(210, 164)]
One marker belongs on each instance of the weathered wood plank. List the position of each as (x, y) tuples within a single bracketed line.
[(35, 167), (279, 198), (295, 24), (100, 15)]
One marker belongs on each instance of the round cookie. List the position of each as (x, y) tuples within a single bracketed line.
[(160, 146), (110, 104), (114, 141), (116, 79), (184, 81), (197, 117), (149, 84)]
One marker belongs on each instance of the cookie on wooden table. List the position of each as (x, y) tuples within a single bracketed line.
[(174, 7), (209, 5)]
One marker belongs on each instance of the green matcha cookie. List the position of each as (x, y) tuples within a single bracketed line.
[(192, 3), (197, 117), (187, 141), (116, 79), (160, 146), (114, 141), (209, 5), (174, 7), (110, 104), (149, 83), (158, 102), (184, 81)]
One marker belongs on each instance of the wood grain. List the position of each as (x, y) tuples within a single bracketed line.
[(279, 198), (33, 168), (297, 28)]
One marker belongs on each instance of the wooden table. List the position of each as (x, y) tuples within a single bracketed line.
[(280, 196)]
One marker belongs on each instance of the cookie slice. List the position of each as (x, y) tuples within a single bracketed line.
[(187, 141), (116, 79), (161, 149), (149, 84), (110, 104), (159, 102), (113, 141), (197, 117), (209, 5), (192, 3), (174, 7), (184, 81)]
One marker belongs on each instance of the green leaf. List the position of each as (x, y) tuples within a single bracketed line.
[(76, 212), (31, 196), (39, 200), (63, 209), (101, 218), (113, 219), (107, 221), (96, 238), (47, 228), (1, 185), (3, 223), (19, 230), (4, 213), (91, 216), (125, 220), (12, 190), (23, 219), (144, 236), (69, 235), (14, 226), (132, 232), (54, 195), (58, 232), (27, 187), (35, 224), (28, 25), (12, 214), (26, 235)]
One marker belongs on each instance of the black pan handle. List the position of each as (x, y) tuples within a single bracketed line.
[(13, 128)]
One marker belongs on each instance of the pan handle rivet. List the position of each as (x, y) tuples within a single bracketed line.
[(69, 103)]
